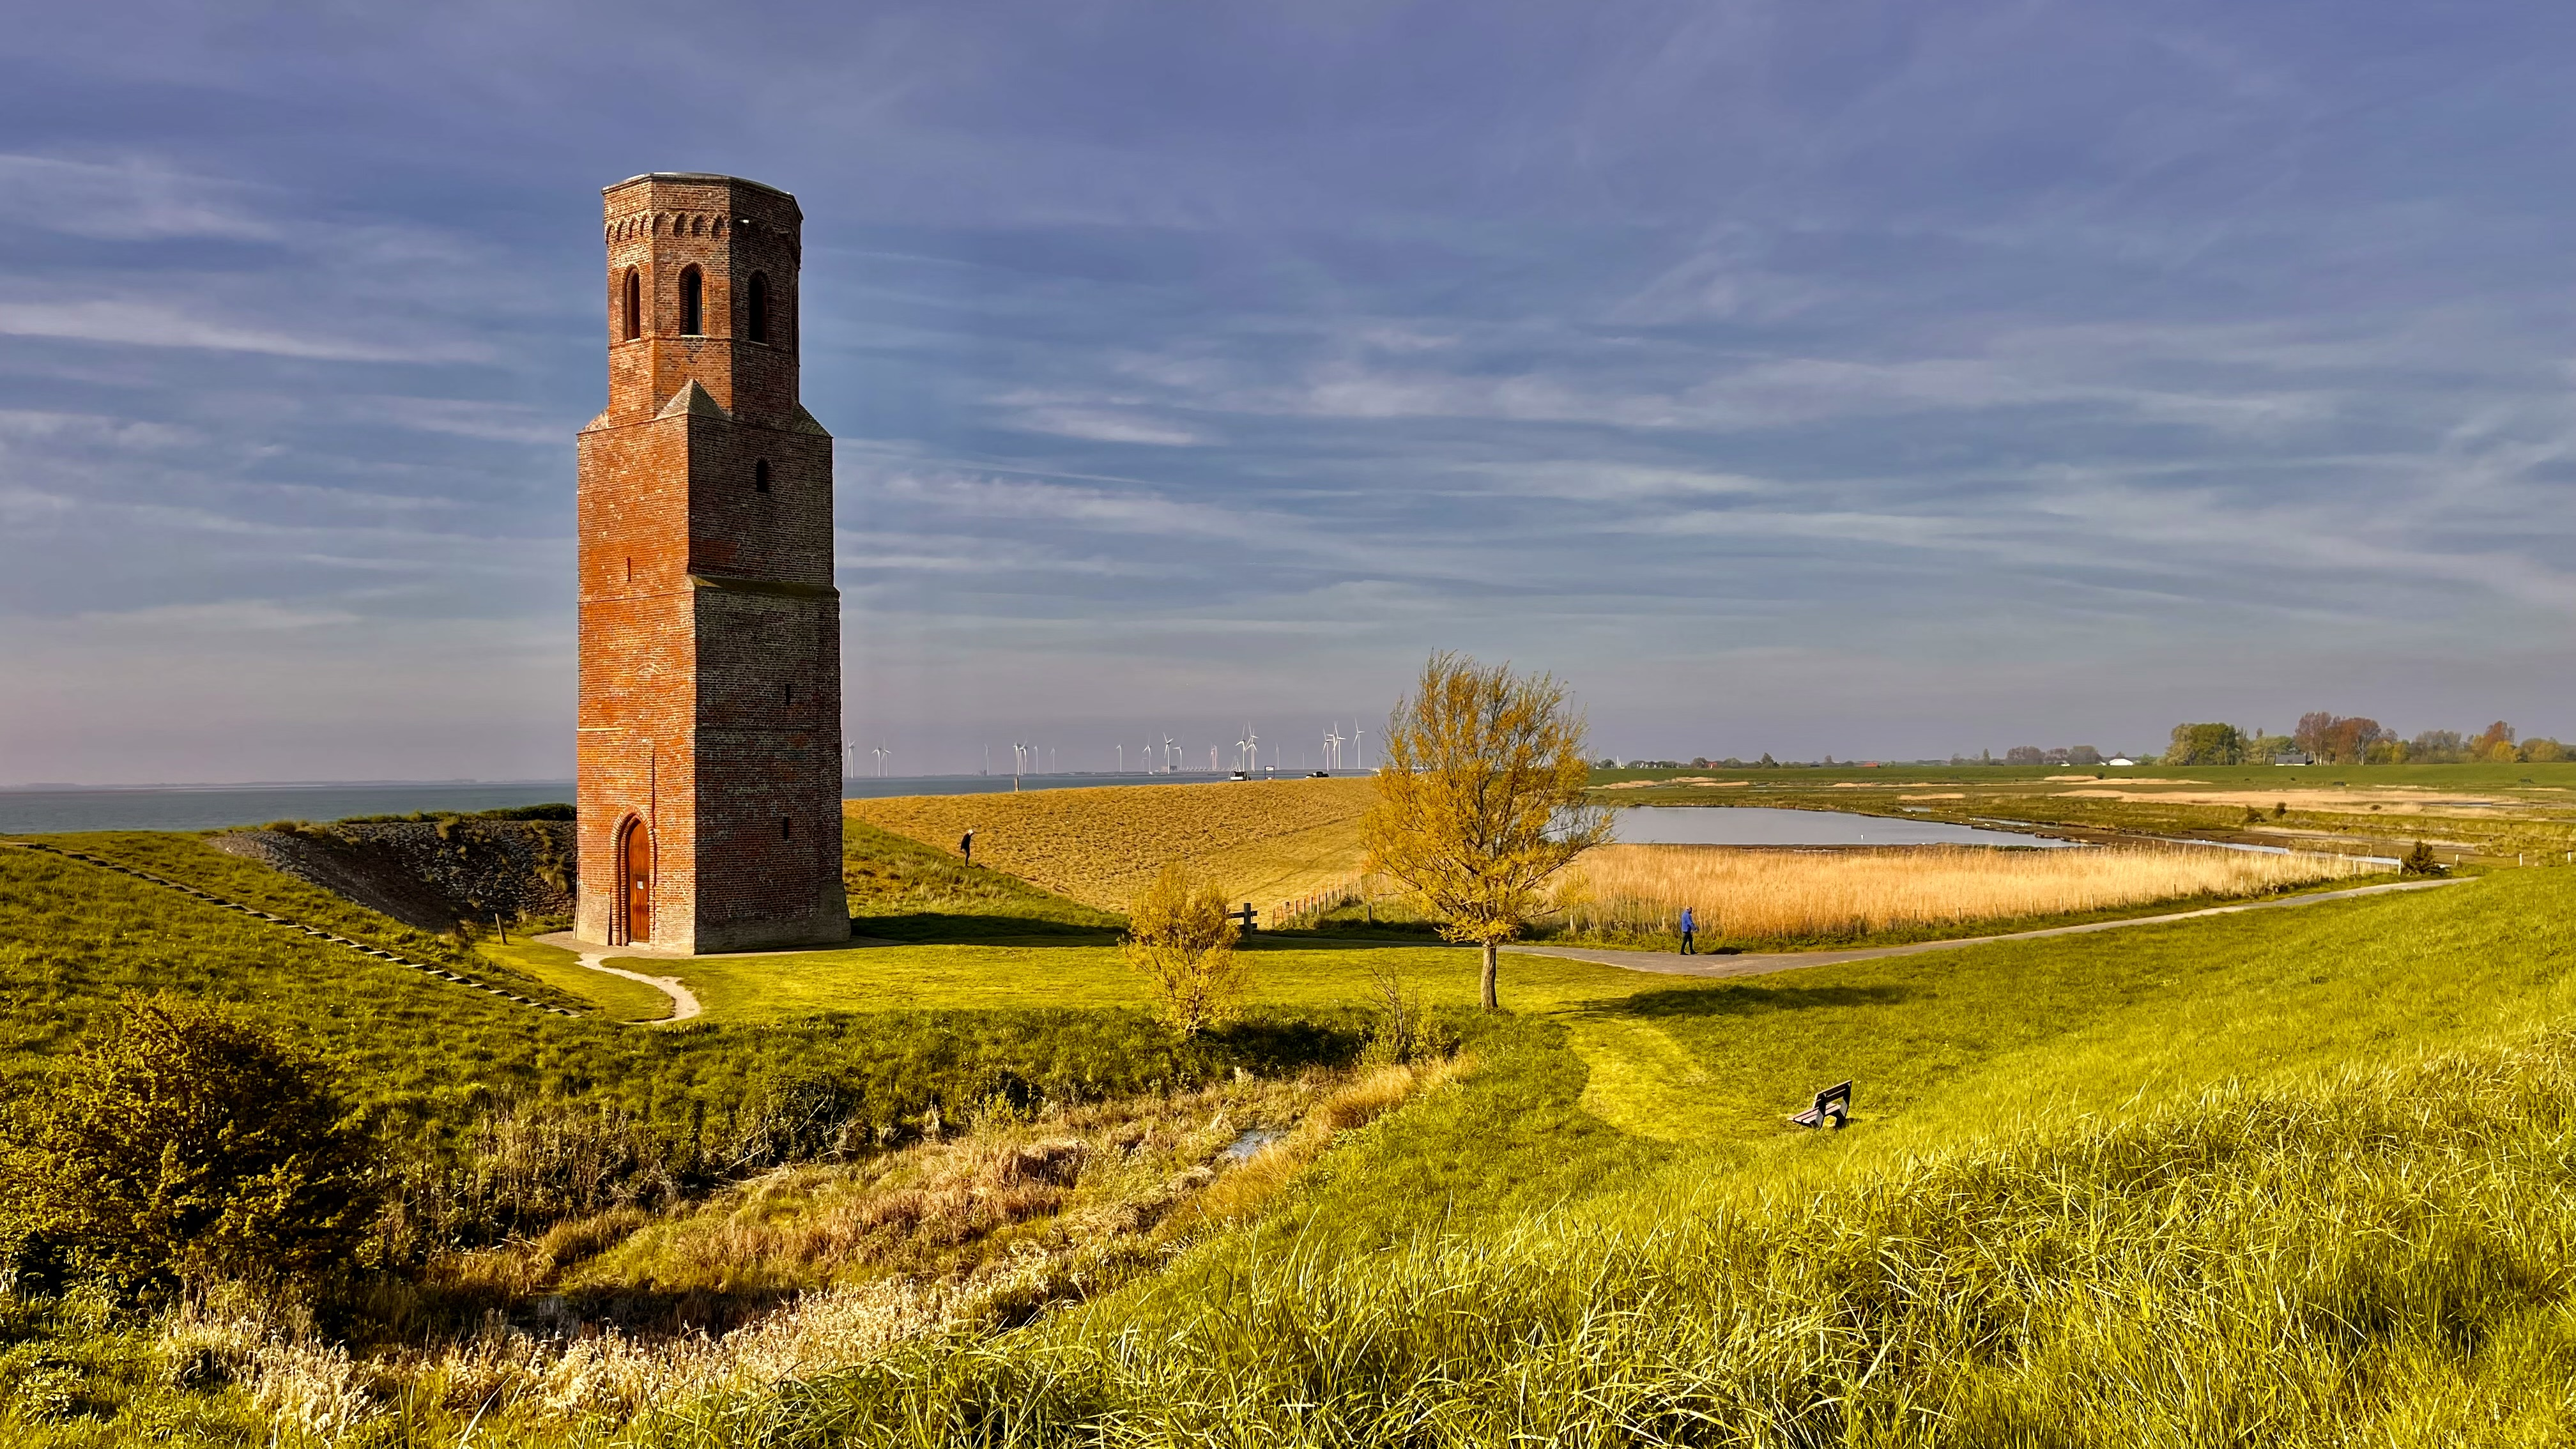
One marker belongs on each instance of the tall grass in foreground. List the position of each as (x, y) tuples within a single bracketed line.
[(1637, 890), (2381, 1257)]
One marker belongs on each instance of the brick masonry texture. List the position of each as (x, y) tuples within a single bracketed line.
[(710, 633)]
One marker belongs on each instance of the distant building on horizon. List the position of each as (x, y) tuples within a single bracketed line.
[(709, 746)]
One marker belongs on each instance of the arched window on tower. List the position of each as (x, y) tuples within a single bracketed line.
[(759, 319), (634, 305), (693, 288)]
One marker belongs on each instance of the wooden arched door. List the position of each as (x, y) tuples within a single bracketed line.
[(635, 883)]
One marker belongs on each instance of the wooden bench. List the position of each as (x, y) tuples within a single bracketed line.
[(1831, 1110)]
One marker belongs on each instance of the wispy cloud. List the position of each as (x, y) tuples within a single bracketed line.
[(2054, 364), (230, 616), (132, 200), (141, 323), (1104, 427)]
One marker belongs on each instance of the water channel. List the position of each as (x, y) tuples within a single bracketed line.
[(1767, 825)]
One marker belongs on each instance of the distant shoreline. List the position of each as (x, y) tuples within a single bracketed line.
[(44, 809)]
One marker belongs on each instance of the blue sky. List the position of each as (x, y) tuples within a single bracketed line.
[(1873, 379)]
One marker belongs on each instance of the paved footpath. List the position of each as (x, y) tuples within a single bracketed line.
[(1674, 963), (684, 1002)]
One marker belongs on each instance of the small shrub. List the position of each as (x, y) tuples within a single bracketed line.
[(187, 1143), (2421, 861), (1181, 939), (1400, 1031)]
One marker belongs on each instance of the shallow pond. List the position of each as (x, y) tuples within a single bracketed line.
[(1764, 825)]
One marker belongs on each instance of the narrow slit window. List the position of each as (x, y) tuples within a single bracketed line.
[(758, 311), (787, 694), (634, 304), (760, 476), (786, 828), (630, 571), (693, 288)]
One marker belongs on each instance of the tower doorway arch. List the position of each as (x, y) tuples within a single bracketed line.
[(634, 913)]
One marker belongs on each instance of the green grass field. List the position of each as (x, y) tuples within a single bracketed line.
[(612, 997), (2213, 1182), (2281, 1177)]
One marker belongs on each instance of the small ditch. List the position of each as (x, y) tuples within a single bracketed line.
[(1251, 1142)]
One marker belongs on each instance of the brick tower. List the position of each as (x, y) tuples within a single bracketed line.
[(710, 720)]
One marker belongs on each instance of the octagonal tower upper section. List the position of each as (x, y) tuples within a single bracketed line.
[(702, 285)]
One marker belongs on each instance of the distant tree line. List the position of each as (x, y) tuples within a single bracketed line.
[(2331, 739), (2322, 737)]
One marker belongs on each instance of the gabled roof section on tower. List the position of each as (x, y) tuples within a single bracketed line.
[(692, 398)]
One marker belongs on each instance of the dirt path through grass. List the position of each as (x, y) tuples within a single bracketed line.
[(1763, 963), (684, 1002)]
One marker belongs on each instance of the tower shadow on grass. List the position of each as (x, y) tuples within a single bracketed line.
[(940, 928), (1743, 999)]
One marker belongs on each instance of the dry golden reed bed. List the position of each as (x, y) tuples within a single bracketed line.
[(1764, 894), (1264, 840)]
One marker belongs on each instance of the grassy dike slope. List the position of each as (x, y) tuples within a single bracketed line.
[(2292, 1178), (1263, 840)]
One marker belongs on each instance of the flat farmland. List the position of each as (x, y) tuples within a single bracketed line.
[(1265, 841)]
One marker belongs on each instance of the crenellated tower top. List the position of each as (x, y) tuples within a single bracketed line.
[(702, 286)]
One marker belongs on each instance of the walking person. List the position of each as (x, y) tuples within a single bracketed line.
[(1690, 928), (966, 845)]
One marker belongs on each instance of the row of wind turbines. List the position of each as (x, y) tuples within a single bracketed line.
[(1165, 756), (1161, 755)]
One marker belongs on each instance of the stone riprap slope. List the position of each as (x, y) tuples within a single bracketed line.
[(428, 875)]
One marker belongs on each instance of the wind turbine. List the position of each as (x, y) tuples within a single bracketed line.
[(1252, 750), (1357, 748), (1170, 748), (1122, 759), (881, 752)]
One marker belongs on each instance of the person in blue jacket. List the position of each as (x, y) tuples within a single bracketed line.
[(1690, 927)]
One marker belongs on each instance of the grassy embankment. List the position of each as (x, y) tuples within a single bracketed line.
[(2291, 1179), (1605, 1231), (1265, 840), (529, 1150)]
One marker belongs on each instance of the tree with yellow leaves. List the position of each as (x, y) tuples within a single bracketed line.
[(1481, 799), (1180, 938)]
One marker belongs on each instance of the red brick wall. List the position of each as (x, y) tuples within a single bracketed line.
[(710, 632)]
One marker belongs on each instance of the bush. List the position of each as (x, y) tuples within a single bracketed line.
[(186, 1144), (1181, 939), (1400, 1031), (2421, 861)]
